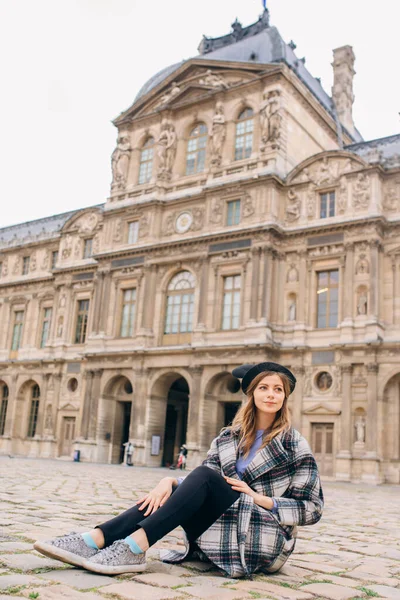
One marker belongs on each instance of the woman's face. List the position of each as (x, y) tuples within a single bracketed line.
[(269, 396)]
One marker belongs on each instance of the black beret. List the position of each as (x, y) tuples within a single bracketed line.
[(247, 373)]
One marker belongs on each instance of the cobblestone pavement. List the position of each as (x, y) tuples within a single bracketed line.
[(354, 552)]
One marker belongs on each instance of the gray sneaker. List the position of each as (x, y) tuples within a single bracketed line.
[(116, 559), (70, 549)]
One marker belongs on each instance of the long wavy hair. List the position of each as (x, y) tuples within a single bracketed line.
[(245, 424)]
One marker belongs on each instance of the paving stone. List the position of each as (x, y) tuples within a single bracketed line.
[(78, 578), (8, 546), (161, 579), (270, 588), (59, 592), (28, 562), (16, 580), (385, 591), (139, 591), (330, 591), (211, 591)]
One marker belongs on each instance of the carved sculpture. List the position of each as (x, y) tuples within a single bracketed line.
[(362, 302), (32, 263), (271, 120), (216, 211), (391, 199), (218, 134), (67, 247), (248, 206), (361, 192), (360, 430), (293, 206), (173, 91), (213, 80), (17, 265), (292, 309), (118, 231), (144, 227), (292, 275), (311, 203), (362, 265), (166, 149), (342, 196), (120, 162), (198, 217)]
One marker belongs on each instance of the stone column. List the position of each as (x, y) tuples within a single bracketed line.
[(266, 288), (42, 404), (347, 305), (104, 311), (202, 318), (88, 377), (255, 277), (297, 397), (394, 290), (94, 402), (374, 280), (194, 425), (150, 290), (137, 428), (372, 410), (11, 406), (215, 296), (97, 301), (346, 420)]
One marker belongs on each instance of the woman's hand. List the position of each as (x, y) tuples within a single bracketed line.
[(240, 486), (158, 496)]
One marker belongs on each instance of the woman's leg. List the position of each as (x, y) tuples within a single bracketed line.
[(197, 503)]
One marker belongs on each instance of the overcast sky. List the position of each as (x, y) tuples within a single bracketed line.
[(70, 66)]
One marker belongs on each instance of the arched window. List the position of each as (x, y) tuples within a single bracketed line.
[(3, 406), (244, 134), (146, 161), (33, 415), (180, 303), (196, 149)]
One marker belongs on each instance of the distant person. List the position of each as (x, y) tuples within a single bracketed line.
[(182, 457), (129, 454), (240, 509)]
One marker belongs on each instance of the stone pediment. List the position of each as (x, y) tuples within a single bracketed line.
[(190, 82), (321, 409), (325, 169), (68, 406)]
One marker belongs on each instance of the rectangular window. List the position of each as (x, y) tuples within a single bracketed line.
[(133, 232), (45, 326), (33, 417), (88, 248), (3, 409), (327, 299), (81, 322), (17, 329), (54, 259), (25, 265), (327, 205), (128, 312), (233, 212), (231, 302)]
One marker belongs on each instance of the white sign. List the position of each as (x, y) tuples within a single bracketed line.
[(155, 445)]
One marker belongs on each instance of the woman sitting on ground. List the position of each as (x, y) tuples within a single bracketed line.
[(240, 509)]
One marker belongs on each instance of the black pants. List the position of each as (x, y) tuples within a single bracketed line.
[(196, 504)]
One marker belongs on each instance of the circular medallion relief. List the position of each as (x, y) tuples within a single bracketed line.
[(323, 381), (183, 222)]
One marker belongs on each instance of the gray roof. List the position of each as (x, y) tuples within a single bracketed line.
[(385, 151), (34, 231), (157, 78)]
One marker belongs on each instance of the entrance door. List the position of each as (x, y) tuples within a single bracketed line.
[(68, 435), (169, 436), (322, 444), (230, 410), (121, 430)]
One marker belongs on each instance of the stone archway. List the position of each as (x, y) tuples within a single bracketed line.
[(222, 400), (114, 420), (389, 428), (167, 419)]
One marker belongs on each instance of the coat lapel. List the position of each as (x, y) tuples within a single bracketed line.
[(227, 448), (273, 455)]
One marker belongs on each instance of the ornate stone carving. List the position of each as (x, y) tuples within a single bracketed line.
[(32, 263), (293, 206), (217, 209), (88, 223), (60, 326), (120, 161), (77, 248), (292, 309), (359, 426), (311, 202), (213, 80), (172, 91), (326, 170), (391, 199), (48, 422), (292, 274), (327, 250), (67, 247), (166, 149), (271, 120), (362, 301), (198, 218), (342, 90), (362, 265), (248, 206), (361, 192), (46, 260), (218, 134), (4, 269), (144, 226), (17, 265), (96, 244), (118, 230), (342, 196)]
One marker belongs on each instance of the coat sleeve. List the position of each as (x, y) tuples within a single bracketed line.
[(303, 501), (212, 459)]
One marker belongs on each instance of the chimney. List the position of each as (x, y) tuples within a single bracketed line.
[(342, 90)]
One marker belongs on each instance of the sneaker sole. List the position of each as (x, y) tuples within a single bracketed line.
[(113, 570), (59, 554)]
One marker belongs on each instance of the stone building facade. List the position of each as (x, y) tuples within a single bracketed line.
[(247, 221)]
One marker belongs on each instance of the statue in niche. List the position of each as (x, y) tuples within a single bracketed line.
[(60, 326), (360, 430), (361, 193), (324, 381), (293, 206), (166, 149), (248, 206), (292, 309), (120, 161), (173, 91), (293, 275), (362, 302), (216, 211), (271, 119), (218, 134), (213, 80), (362, 266)]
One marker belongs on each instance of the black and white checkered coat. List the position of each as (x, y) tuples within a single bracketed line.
[(248, 538)]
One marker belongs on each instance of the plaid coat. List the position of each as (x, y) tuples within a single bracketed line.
[(248, 538)]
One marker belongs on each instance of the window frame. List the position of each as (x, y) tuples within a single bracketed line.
[(328, 302), (146, 164), (3, 407), (132, 317), (330, 197), (34, 411), (26, 264), (83, 326), (20, 324), (54, 259), (199, 152), (227, 292), (45, 321), (179, 337), (87, 242), (136, 230), (244, 155), (236, 213)]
